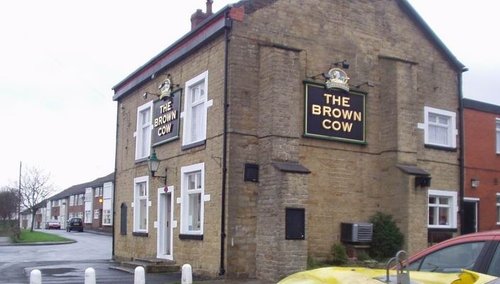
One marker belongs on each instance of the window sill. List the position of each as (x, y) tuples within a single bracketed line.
[(443, 229), (191, 237), (138, 161), (140, 234), (444, 148), (193, 145)]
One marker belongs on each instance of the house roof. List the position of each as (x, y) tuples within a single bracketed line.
[(481, 106), (80, 188), (215, 25)]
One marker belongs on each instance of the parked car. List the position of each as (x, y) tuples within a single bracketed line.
[(74, 223), (53, 224), (334, 275), (478, 252)]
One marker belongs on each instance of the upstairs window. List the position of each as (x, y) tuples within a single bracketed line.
[(442, 209), (195, 110), (440, 128), (143, 131), (498, 135)]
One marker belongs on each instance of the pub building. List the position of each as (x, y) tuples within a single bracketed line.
[(244, 146)]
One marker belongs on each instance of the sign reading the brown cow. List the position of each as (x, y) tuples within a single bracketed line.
[(334, 114)]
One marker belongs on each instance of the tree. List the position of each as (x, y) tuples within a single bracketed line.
[(8, 203), (387, 238), (35, 188)]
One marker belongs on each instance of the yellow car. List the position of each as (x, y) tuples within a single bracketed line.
[(361, 275)]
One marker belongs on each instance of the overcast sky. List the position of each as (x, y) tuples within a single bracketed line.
[(59, 60)]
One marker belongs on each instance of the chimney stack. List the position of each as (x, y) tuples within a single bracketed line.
[(199, 16)]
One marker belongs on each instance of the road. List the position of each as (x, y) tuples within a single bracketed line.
[(66, 263)]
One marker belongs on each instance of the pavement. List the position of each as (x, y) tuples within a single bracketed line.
[(5, 241), (158, 278)]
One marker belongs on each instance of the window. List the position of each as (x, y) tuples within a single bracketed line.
[(107, 204), (494, 268), (498, 208), (440, 127), (80, 199), (96, 214), (72, 200), (442, 209), (141, 204), (192, 192), (195, 110), (498, 135), (88, 216), (106, 217), (450, 259), (98, 191), (143, 131)]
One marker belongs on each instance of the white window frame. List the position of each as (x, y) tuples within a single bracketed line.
[(187, 115), (497, 124), (185, 208), (452, 205), (141, 128), (498, 208), (88, 216), (452, 130), (107, 204), (137, 208)]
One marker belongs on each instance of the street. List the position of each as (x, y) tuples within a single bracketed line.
[(66, 263)]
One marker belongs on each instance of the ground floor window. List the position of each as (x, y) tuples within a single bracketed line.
[(141, 204), (442, 209), (192, 192), (88, 216), (106, 217), (498, 208)]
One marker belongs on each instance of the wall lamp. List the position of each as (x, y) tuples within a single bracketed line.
[(344, 64), (474, 183), (154, 164)]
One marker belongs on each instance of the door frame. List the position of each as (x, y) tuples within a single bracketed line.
[(475, 201), (165, 210)]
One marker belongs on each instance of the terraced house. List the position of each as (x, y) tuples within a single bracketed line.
[(244, 146), (92, 201)]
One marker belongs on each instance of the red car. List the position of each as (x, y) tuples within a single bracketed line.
[(53, 224), (478, 252)]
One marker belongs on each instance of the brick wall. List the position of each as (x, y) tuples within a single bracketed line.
[(276, 46)]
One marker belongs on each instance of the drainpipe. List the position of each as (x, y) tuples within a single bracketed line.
[(462, 150), (114, 185), (222, 270)]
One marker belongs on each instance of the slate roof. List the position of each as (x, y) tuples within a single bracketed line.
[(80, 188)]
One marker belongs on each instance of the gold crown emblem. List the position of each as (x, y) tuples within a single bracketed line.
[(337, 79)]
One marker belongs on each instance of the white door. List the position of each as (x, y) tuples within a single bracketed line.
[(165, 220)]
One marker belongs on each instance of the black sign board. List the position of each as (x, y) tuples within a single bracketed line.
[(334, 114), (166, 117)]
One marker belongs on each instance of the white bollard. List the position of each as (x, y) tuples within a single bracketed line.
[(139, 275), (35, 276), (187, 274), (90, 276)]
